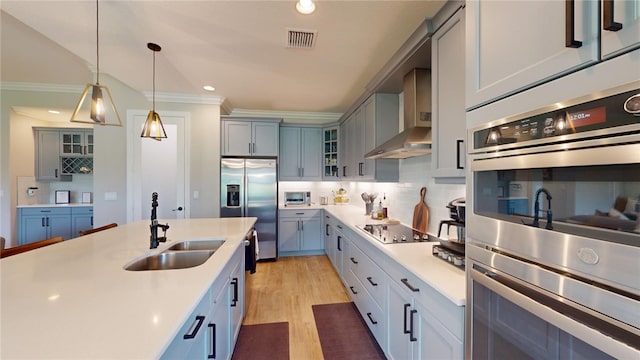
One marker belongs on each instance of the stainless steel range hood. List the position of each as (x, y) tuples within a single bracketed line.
[(415, 140)]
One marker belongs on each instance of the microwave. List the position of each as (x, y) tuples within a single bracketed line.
[(297, 198)]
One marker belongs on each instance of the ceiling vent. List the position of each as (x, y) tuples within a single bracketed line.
[(301, 39)]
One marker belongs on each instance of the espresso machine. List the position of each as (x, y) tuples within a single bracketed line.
[(451, 246)]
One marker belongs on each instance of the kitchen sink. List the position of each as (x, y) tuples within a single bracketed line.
[(170, 260), (190, 245)]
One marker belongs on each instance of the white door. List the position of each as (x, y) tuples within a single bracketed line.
[(158, 166)]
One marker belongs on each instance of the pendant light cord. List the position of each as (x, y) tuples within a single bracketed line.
[(97, 46), (154, 82)]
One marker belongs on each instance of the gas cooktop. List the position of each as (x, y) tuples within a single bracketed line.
[(394, 234)]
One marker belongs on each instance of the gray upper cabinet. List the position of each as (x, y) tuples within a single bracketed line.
[(501, 62), (448, 111), (300, 153), (249, 137), (47, 152)]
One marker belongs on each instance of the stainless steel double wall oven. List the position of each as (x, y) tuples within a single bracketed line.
[(553, 235)]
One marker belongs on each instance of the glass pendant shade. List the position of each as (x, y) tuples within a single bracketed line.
[(153, 127), (93, 110), (494, 137), (96, 109)]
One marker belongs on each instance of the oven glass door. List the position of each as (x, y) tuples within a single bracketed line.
[(514, 321), (592, 192)]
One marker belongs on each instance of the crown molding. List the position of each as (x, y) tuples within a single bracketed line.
[(290, 116), (185, 98), (26, 86)]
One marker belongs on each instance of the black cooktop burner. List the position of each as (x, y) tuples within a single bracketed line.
[(394, 234)]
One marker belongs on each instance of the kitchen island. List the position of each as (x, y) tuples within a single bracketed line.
[(75, 299)]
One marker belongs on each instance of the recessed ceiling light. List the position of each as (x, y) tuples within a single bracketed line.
[(209, 88), (305, 6), (53, 112)]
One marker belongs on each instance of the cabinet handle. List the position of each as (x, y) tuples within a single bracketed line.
[(411, 337), (340, 227), (56, 173), (302, 225), (406, 283), (198, 321), (569, 23), (42, 220), (91, 220), (249, 148), (47, 221), (353, 260), (353, 291), (339, 247), (404, 319), (302, 172), (344, 171), (607, 16), (234, 283), (458, 153), (212, 354), (371, 281), (371, 319), (360, 169), (326, 229)]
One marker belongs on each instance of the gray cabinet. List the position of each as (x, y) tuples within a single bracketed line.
[(249, 137), (39, 223), (47, 152), (76, 142), (300, 153), (501, 62), (370, 125), (331, 149), (300, 232), (211, 330), (448, 111), (81, 219)]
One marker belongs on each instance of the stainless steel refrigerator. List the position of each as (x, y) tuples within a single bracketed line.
[(249, 188)]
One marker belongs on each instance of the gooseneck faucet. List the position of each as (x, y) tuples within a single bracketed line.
[(536, 210), (155, 239)]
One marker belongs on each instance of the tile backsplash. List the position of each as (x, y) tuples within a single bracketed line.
[(401, 197)]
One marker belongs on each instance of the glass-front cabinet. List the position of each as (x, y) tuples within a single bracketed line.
[(76, 143), (330, 153)]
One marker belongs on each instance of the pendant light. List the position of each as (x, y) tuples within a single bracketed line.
[(153, 127), (101, 110)]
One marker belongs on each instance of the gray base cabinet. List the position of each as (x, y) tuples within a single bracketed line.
[(408, 318), (39, 223), (211, 331), (300, 232)]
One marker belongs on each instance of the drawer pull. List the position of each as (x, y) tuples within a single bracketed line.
[(371, 319), (371, 281), (353, 260), (353, 291), (411, 337), (199, 320), (406, 283), (404, 319)]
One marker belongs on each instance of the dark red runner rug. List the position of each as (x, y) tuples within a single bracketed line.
[(344, 334), (263, 341)]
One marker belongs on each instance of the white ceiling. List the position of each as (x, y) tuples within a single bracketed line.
[(237, 46)]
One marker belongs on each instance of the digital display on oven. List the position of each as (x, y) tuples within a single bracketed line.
[(598, 114)]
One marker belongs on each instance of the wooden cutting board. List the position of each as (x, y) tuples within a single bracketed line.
[(421, 213)]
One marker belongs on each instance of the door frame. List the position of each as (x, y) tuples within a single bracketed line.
[(134, 183)]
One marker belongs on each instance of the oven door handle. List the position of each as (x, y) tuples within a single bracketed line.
[(543, 305)]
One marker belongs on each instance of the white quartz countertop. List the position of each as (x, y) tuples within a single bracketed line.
[(75, 300), (54, 205), (415, 257)]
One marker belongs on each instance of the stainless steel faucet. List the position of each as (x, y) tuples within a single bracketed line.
[(536, 210), (155, 239)]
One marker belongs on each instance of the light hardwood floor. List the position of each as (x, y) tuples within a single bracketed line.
[(284, 290)]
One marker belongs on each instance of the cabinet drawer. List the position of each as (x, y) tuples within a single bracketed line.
[(45, 211), (83, 210), (299, 213), (369, 310), (370, 275)]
